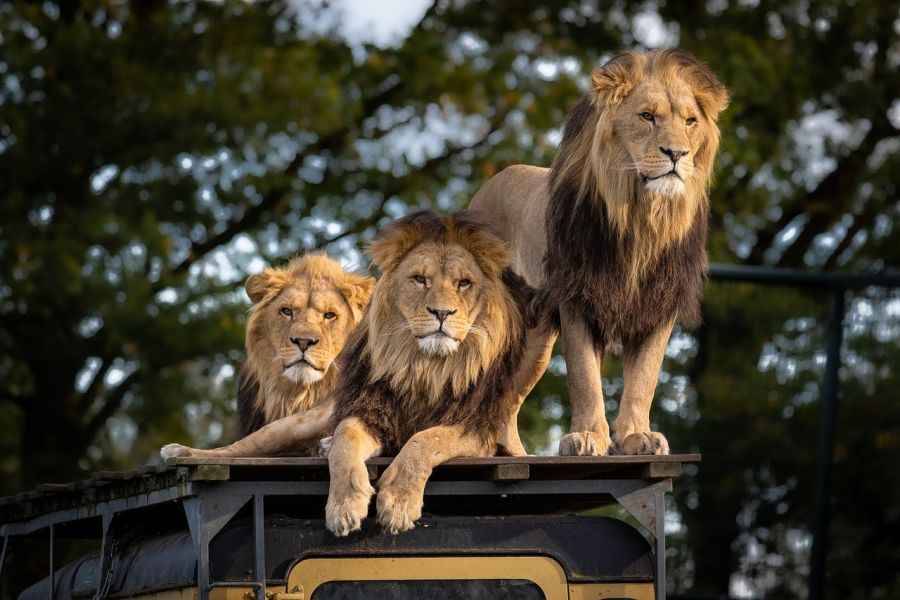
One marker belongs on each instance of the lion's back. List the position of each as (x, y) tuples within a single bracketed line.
[(515, 201)]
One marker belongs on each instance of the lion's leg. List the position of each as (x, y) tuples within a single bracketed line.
[(290, 434), (538, 349), (349, 491), (401, 488), (589, 432), (641, 370)]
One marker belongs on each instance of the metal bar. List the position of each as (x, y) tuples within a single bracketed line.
[(52, 566), (827, 421), (660, 505), (613, 487), (108, 554), (89, 511), (3, 553), (194, 513), (259, 546), (797, 277)]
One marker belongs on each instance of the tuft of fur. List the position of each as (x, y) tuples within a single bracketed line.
[(628, 253), (267, 391), (394, 387)]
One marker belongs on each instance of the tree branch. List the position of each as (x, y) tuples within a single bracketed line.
[(398, 184), (86, 397), (859, 222), (113, 402)]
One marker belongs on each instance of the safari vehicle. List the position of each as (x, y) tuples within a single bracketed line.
[(245, 529)]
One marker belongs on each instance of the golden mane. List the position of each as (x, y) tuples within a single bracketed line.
[(397, 358), (590, 165), (272, 395)]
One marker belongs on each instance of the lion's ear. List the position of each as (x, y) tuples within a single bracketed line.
[(257, 286), (392, 244), (356, 290), (260, 285), (712, 97), (614, 81)]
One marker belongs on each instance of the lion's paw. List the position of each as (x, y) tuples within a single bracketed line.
[(644, 443), (345, 515), (398, 510), (325, 445), (175, 451), (584, 443)]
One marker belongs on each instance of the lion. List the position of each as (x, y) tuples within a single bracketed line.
[(429, 374), (614, 235), (300, 319)]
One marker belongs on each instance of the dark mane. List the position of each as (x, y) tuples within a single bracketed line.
[(586, 263)]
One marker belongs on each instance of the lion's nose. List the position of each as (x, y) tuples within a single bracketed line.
[(673, 154), (304, 343), (440, 313)]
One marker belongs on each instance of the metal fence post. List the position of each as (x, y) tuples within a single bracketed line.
[(827, 420)]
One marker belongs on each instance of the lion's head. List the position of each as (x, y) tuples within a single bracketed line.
[(441, 312), (299, 322), (643, 141)]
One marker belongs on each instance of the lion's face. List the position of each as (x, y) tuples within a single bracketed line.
[(307, 327), (436, 289), (660, 124), (302, 316), (441, 312), (660, 130)]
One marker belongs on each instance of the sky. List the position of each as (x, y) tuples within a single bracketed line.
[(381, 22)]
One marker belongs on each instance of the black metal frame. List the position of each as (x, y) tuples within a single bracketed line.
[(837, 284), (210, 501)]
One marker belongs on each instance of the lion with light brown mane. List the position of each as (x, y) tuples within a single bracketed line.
[(300, 319), (614, 234)]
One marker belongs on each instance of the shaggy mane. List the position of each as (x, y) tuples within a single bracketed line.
[(637, 258)]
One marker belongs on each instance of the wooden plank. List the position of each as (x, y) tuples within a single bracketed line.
[(211, 473), (110, 476), (456, 462), (661, 470), (52, 488), (511, 472)]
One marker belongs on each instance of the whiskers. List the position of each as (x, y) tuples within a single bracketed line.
[(479, 331), (398, 328)]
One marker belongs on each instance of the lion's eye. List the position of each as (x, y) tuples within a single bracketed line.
[(329, 315), (647, 116), (419, 279), (464, 283), (691, 121), (287, 311)]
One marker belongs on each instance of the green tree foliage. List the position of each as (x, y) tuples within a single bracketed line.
[(153, 154)]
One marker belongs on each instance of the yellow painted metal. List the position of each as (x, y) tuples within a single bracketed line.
[(598, 591), (543, 571)]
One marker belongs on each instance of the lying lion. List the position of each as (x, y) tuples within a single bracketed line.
[(614, 234), (301, 317), (430, 374)]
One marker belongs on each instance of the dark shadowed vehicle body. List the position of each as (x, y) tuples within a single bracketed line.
[(517, 528)]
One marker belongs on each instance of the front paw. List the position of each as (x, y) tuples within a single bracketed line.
[(175, 451), (400, 498), (344, 513), (584, 443), (644, 443), (398, 508)]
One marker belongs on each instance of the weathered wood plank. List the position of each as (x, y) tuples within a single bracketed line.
[(511, 472)]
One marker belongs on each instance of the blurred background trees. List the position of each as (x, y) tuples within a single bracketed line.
[(153, 154)]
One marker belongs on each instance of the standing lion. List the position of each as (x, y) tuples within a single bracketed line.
[(615, 235)]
